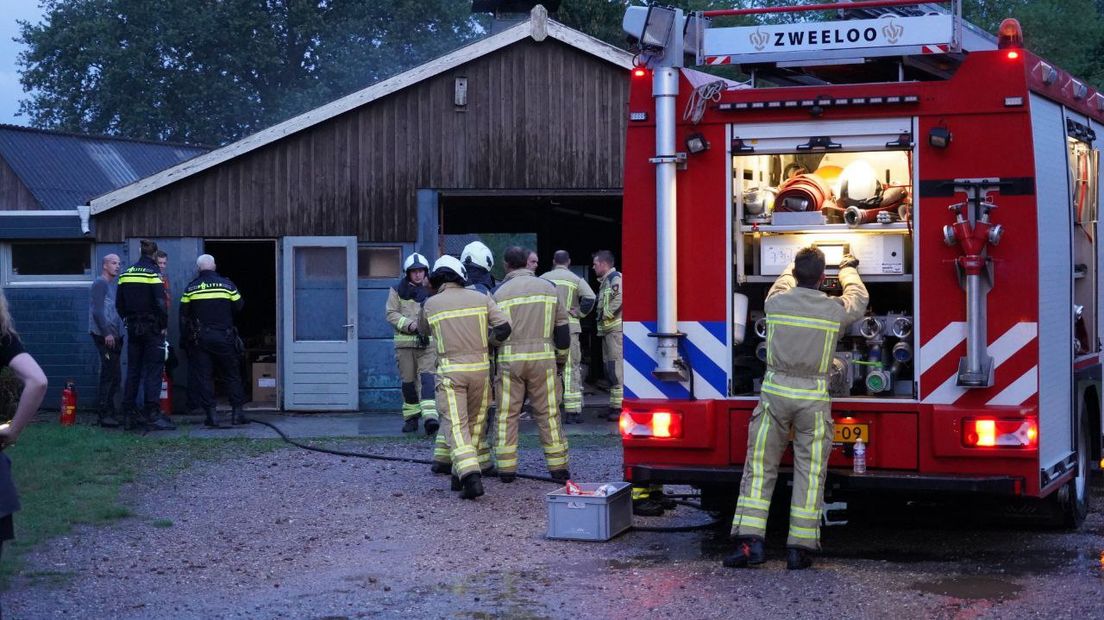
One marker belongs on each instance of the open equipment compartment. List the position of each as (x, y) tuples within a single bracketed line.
[(846, 187)]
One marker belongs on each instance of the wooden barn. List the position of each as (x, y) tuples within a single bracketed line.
[(520, 133)]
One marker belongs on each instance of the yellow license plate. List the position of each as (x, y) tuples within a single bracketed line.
[(850, 433)]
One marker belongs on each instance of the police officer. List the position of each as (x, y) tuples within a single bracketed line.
[(578, 298), (140, 300), (803, 324), (527, 363), (415, 358), (207, 310), (609, 327), (459, 319)]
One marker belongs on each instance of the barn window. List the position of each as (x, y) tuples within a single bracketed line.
[(48, 261), (379, 261)]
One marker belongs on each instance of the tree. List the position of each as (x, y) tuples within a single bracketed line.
[(1069, 33), (211, 71)]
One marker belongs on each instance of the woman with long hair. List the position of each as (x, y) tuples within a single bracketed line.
[(27, 370)]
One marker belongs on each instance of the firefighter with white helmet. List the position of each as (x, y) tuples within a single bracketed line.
[(803, 325), (463, 323), (527, 363), (416, 359), (478, 261)]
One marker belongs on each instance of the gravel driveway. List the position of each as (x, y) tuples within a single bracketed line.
[(296, 534)]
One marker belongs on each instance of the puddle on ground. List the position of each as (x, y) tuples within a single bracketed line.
[(974, 587)]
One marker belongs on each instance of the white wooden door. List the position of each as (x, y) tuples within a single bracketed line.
[(319, 323)]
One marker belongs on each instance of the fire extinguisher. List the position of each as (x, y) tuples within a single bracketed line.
[(166, 385), (166, 393), (69, 404)]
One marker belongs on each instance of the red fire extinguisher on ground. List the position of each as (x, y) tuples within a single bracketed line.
[(166, 393), (166, 399), (69, 404)]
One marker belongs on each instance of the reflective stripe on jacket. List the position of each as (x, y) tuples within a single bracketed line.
[(570, 288), (609, 303), (400, 314), (803, 326), (211, 300), (534, 309), (459, 319), (141, 293)]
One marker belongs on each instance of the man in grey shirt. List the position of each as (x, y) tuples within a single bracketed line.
[(106, 328)]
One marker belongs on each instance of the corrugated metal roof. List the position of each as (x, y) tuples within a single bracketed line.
[(64, 170)]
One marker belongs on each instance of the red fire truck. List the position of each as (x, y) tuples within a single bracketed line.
[(960, 168)]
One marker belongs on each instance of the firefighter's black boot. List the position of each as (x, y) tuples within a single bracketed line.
[(489, 472), (158, 421), (574, 417), (667, 502), (214, 419), (431, 426), (440, 468), (749, 552), (561, 475), (455, 483), (410, 424), (507, 478), (237, 416), (613, 415), (798, 558), (473, 486), (647, 508)]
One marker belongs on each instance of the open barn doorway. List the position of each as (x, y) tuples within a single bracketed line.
[(251, 265), (579, 223)]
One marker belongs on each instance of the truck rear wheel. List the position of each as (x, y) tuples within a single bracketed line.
[(1070, 504)]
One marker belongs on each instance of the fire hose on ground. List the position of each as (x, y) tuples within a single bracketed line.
[(402, 459)]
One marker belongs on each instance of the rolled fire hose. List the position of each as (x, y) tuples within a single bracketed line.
[(804, 192)]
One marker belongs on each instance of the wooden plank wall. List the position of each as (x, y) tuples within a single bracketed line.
[(539, 116), (14, 195)]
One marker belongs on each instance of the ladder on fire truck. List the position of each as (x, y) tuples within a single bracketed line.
[(870, 41)]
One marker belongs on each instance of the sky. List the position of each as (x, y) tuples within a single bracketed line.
[(10, 90)]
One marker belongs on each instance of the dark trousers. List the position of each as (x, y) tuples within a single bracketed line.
[(110, 373), (145, 362), (214, 350)]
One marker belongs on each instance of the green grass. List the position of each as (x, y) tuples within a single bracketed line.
[(70, 476)]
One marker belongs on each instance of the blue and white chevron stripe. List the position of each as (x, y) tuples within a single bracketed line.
[(704, 345)]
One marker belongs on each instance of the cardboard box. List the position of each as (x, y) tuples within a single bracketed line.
[(264, 382)]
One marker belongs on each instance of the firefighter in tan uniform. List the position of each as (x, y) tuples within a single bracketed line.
[(609, 328), (578, 298), (459, 319), (415, 356), (803, 325), (527, 363)]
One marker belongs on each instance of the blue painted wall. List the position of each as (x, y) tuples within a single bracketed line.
[(53, 324), (379, 374)]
